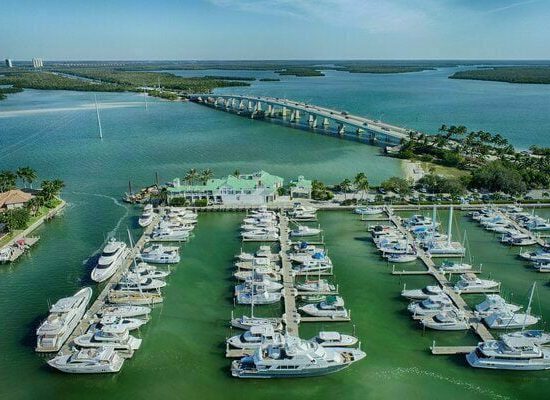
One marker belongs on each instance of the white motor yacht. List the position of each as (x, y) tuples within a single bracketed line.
[(296, 358), (509, 320), (261, 235), (542, 256), (145, 270), (255, 262), (147, 216), (422, 294), (111, 259), (64, 316), (124, 311), (401, 257), (369, 210), (319, 285), (451, 266), (451, 320), (271, 273), (335, 339), (510, 354), (256, 337), (312, 268), (535, 336), (159, 254), (88, 361), (261, 283), (115, 337), (518, 239), (303, 230), (258, 298), (169, 235), (542, 267), (469, 283), (431, 306), (121, 323), (332, 307), (494, 303), (137, 283), (445, 247)]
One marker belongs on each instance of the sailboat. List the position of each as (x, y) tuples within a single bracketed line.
[(511, 320), (447, 247), (245, 322)]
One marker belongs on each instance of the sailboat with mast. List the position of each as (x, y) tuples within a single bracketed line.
[(446, 247), (512, 320), (245, 322)]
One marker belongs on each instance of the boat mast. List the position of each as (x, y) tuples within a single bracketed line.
[(450, 226), (145, 97), (252, 297), (98, 119), (528, 310)]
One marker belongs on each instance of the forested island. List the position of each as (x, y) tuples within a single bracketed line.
[(111, 80), (520, 74)]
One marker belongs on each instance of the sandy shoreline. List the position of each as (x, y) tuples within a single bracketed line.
[(412, 170)]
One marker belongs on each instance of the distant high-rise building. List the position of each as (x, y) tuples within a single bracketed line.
[(37, 63), (8, 63)]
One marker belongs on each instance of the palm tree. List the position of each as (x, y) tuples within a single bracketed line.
[(236, 173), (191, 176), (8, 180), (362, 186), (345, 187), (27, 175), (206, 175), (34, 204), (163, 195)]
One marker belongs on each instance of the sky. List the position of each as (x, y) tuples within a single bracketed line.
[(274, 29)]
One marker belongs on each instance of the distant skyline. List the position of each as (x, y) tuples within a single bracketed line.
[(274, 29)]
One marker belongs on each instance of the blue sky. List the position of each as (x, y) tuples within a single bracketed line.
[(274, 29)]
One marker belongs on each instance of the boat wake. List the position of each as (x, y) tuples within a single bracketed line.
[(90, 106), (397, 372)]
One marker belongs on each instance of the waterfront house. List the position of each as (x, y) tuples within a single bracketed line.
[(246, 189), (300, 188), (13, 199)]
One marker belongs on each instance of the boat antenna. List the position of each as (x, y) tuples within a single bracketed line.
[(98, 119)]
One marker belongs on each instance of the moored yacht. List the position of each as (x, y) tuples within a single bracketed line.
[(63, 319), (431, 306), (245, 322), (535, 336), (319, 285), (132, 297), (303, 230), (469, 283), (88, 361), (510, 354), (369, 210), (121, 322), (335, 339), (256, 337), (116, 337), (450, 266), (110, 260), (124, 311), (295, 358), (159, 254), (452, 320), (422, 294), (494, 303), (332, 307), (166, 234), (147, 216)]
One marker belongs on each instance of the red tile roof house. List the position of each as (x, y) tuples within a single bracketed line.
[(13, 199)]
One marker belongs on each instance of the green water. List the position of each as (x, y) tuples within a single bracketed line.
[(182, 354)]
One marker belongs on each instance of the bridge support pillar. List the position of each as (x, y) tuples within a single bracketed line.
[(292, 116), (341, 129), (326, 123), (241, 105), (250, 106), (259, 106), (359, 131), (297, 115), (284, 112), (269, 111)]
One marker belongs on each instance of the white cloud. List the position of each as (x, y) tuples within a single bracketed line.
[(379, 16)]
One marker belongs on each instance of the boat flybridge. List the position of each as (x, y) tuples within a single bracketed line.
[(451, 320), (536, 336), (63, 319), (145, 270), (422, 294), (165, 234), (111, 259), (518, 239), (263, 251), (124, 311), (369, 210), (510, 353), (542, 256), (302, 213), (114, 336), (88, 361), (263, 235), (295, 358), (335, 339), (121, 322), (431, 306)]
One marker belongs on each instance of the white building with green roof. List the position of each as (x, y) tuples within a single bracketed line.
[(247, 189)]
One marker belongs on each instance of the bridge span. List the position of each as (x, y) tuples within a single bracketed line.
[(307, 115)]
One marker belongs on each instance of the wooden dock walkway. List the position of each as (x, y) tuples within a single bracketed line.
[(101, 299), (291, 317), (480, 329), (451, 350)]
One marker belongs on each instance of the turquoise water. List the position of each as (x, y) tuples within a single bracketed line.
[(182, 354), (419, 100)]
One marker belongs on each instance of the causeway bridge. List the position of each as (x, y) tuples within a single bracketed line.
[(307, 115)]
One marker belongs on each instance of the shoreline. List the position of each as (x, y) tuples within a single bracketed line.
[(412, 170)]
